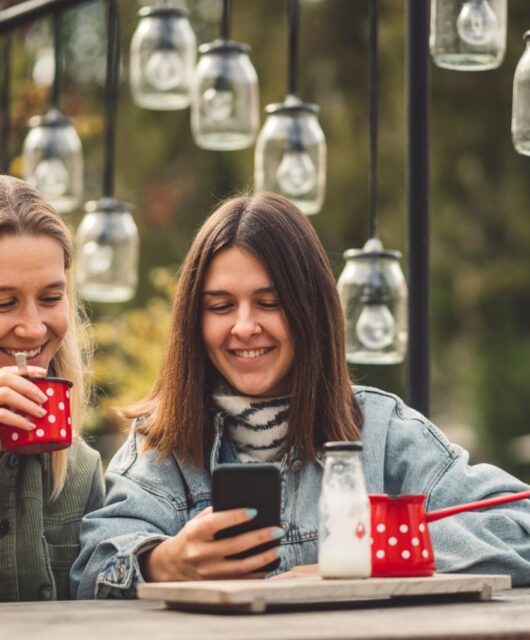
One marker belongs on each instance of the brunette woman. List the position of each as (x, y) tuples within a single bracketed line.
[(255, 370)]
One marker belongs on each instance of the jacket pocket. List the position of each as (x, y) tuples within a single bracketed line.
[(62, 557)]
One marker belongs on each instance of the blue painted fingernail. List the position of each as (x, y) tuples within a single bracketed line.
[(278, 553), (251, 513), (277, 533)]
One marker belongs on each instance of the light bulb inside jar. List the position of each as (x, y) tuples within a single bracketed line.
[(296, 173), (375, 327), (51, 177), (218, 104), (164, 70), (97, 257), (477, 23)]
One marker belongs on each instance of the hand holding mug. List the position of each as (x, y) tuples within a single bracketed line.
[(34, 411)]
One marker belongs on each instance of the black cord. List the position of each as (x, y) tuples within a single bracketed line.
[(225, 21), (111, 96), (58, 60), (5, 99), (293, 19), (374, 103)]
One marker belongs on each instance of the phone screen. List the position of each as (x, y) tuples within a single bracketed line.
[(249, 486)]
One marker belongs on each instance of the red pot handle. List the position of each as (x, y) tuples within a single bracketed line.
[(431, 516)]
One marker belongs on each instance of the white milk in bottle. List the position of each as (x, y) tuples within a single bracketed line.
[(344, 540)]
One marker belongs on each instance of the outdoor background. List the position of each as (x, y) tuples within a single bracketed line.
[(480, 194)]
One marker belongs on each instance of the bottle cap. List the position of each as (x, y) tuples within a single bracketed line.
[(344, 445)]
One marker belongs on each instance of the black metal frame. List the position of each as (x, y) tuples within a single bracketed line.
[(417, 175), (25, 12), (418, 201)]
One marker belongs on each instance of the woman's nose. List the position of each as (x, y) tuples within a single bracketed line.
[(31, 326), (246, 326)]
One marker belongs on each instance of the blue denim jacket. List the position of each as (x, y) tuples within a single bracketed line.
[(150, 499)]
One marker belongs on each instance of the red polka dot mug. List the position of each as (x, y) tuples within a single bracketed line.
[(401, 543), (53, 431)]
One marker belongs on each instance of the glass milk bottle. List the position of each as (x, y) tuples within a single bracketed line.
[(344, 508)]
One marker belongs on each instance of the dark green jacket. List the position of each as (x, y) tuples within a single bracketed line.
[(39, 537)]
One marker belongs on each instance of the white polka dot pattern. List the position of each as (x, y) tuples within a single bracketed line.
[(392, 541), (53, 430)]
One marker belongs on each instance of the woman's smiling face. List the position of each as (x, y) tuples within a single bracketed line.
[(33, 302), (244, 330)]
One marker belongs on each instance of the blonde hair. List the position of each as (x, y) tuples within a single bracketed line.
[(23, 212)]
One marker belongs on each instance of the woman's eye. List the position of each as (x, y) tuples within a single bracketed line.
[(269, 304), (6, 304), (52, 299), (219, 308)]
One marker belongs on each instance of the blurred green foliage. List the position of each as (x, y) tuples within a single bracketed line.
[(480, 222)]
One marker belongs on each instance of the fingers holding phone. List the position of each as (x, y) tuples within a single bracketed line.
[(195, 553)]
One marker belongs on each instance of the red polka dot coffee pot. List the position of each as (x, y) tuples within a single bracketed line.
[(401, 543), (53, 431)]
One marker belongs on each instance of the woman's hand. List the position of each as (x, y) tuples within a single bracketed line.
[(194, 554), (18, 394)]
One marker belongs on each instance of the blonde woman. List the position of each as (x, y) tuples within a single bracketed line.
[(42, 497)]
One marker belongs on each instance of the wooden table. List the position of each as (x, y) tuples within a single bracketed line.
[(507, 615)]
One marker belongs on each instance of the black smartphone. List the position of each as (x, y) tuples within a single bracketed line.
[(249, 486)]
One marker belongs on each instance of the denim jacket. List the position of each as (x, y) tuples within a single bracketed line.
[(150, 499)]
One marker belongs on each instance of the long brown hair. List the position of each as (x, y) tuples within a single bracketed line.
[(322, 405), (23, 212)]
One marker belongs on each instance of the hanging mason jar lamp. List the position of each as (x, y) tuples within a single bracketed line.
[(290, 156), (468, 35), (373, 295), (53, 160), (163, 55), (107, 252), (107, 240), (372, 288), (521, 102), (225, 95), (52, 151)]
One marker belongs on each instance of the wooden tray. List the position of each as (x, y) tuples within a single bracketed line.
[(255, 596)]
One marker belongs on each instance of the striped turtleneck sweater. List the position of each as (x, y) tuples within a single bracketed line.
[(257, 426)]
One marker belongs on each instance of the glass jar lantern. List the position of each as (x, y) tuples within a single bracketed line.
[(107, 252), (373, 294), (163, 55), (225, 97), (53, 160), (290, 156), (521, 102), (468, 35)]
